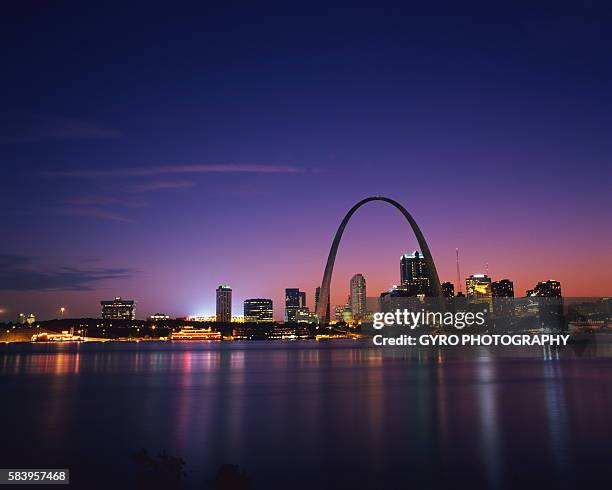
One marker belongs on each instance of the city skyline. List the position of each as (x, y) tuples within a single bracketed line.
[(262, 310), (156, 170)]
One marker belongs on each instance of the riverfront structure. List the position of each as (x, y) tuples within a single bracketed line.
[(258, 310), (294, 300), (323, 305), (224, 303), (546, 289), (502, 289), (448, 289), (358, 296), (118, 309)]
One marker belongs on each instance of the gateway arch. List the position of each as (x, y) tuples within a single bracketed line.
[(323, 304)]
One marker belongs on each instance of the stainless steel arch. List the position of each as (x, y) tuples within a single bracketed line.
[(323, 304)]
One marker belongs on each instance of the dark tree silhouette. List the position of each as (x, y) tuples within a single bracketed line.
[(160, 472), (230, 477)]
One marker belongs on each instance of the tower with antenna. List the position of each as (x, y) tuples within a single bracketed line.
[(458, 273)]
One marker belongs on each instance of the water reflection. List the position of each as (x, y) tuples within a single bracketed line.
[(332, 413)]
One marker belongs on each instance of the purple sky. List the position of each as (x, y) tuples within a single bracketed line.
[(156, 156)]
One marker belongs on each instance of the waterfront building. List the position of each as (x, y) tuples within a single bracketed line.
[(294, 300), (224, 304), (258, 310), (478, 286), (304, 315), (357, 298), (546, 289), (118, 309), (448, 290), (159, 317), (502, 289), (339, 312), (414, 274), (478, 290)]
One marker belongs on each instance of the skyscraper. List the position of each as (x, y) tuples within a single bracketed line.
[(258, 310), (503, 289), (448, 289), (357, 299), (414, 274), (294, 300), (547, 298), (478, 290), (478, 286), (224, 303), (317, 294), (118, 309), (546, 289)]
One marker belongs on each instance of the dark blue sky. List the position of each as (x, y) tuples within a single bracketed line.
[(157, 152)]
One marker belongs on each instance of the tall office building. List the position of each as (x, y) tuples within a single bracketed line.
[(478, 290), (224, 303), (547, 297), (258, 310), (302, 299), (448, 289), (118, 309), (546, 289), (414, 274), (357, 299), (294, 300), (502, 289), (478, 286)]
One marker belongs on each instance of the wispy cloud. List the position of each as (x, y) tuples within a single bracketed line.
[(158, 185), (20, 273), (178, 169), (105, 201), (97, 213), (40, 129)]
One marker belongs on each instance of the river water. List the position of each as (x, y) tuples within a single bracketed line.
[(309, 414)]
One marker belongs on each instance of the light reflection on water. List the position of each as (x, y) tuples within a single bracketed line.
[(327, 414)]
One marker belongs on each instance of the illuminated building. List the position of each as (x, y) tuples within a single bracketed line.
[(224, 304), (414, 274), (118, 309), (357, 299), (347, 314), (339, 312), (31, 319), (159, 317), (478, 289), (503, 289), (258, 310), (207, 318), (448, 289), (546, 289), (397, 298), (478, 286), (294, 300), (546, 296), (304, 315)]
